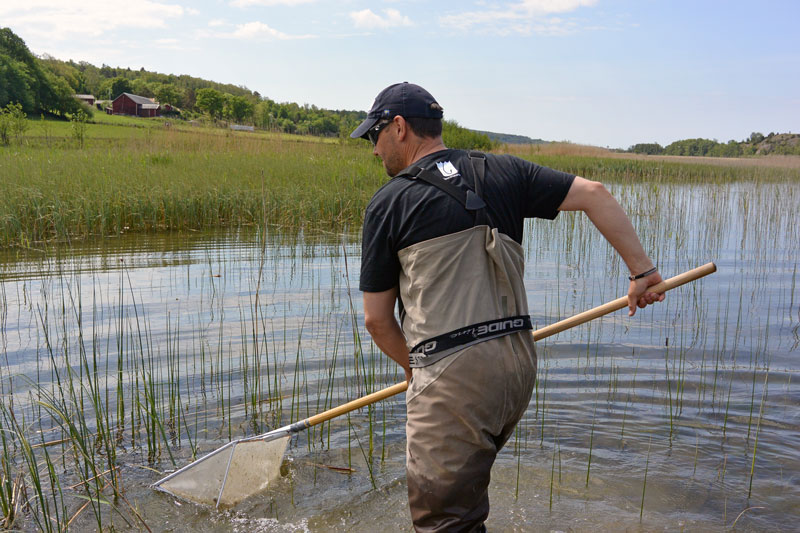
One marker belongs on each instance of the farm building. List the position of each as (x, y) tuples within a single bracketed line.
[(131, 104), (88, 98)]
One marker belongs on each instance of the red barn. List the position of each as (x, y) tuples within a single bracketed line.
[(131, 104)]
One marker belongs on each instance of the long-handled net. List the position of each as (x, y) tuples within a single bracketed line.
[(246, 466), (231, 473)]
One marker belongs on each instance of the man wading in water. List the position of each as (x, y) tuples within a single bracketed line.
[(444, 235)]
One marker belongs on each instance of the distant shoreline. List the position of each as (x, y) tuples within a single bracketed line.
[(776, 161)]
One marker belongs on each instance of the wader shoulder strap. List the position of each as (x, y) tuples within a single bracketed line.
[(478, 160), (471, 201), (468, 199)]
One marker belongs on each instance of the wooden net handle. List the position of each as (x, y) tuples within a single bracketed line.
[(539, 334), (619, 303)]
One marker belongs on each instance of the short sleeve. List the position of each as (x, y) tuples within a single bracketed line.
[(546, 190), (380, 267)]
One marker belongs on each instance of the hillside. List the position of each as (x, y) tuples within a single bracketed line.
[(26, 82), (756, 144), (778, 143), (508, 138)]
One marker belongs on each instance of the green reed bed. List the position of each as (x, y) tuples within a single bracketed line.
[(165, 178), (619, 169), (180, 180)]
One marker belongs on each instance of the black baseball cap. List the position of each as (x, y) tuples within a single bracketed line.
[(404, 99)]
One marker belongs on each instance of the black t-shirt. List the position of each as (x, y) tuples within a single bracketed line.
[(405, 211)]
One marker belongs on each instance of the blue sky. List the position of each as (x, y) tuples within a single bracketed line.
[(602, 72)]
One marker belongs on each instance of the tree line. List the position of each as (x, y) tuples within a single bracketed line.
[(756, 144), (46, 86), (26, 81)]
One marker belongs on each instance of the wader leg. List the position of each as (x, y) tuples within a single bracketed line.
[(456, 426)]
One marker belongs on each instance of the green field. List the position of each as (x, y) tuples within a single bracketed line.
[(151, 175)]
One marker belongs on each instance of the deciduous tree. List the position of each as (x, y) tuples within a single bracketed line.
[(114, 87), (210, 101), (237, 108), (167, 93)]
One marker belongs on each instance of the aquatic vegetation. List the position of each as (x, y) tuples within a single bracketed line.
[(120, 358)]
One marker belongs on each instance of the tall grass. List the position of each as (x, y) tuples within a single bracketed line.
[(172, 180), (156, 178)]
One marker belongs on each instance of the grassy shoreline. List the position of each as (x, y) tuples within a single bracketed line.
[(153, 177), (170, 179)]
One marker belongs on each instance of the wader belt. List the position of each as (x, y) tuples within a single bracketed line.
[(434, 349)]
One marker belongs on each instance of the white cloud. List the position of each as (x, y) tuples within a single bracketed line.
[(554, 6), (60, 20), (368, 19), (524, 17), (268, 3), (258, 31)]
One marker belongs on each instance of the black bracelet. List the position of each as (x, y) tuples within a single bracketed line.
[(643, 274)]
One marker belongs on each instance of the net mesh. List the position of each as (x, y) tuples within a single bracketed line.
[(253, 465)]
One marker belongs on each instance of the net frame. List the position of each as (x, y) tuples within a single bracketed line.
[(231, 473)]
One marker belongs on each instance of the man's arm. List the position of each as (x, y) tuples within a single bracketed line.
[(382, 325), (610, 219)]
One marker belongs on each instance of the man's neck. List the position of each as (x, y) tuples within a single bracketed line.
[(427, 147)]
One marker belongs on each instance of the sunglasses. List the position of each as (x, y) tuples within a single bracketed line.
[(373, 132)]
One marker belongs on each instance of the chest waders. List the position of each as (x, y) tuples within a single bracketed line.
[(463, 296), (463, 288)]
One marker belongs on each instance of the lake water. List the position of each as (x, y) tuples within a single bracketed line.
[(683, 417)]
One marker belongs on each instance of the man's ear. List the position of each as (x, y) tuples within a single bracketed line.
[(402, 127)]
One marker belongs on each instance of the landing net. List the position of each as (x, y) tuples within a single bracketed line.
[(230, 474)]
